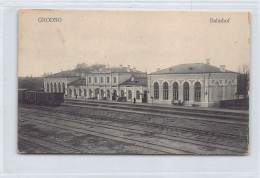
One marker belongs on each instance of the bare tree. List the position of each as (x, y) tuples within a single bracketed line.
[(243, 80)]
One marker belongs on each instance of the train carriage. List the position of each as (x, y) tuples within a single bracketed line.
[(30, 96), (21, 95), (38, 97), (50, 98)]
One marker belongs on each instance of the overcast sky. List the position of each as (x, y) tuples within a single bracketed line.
[(146, 40)]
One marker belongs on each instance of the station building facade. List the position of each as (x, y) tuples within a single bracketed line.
[(58, 83), (189, 84), (192, 84), (112, 84)]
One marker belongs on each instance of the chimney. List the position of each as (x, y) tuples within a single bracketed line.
[(208, 61), (222, 68), (134, 68), (158, 69), (121, 65)]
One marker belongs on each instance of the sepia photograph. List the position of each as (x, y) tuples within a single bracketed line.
[(133, 82)]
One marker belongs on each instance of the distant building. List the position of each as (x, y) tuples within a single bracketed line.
[(197, 83)]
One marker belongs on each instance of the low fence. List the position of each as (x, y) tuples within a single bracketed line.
[(235, 103)]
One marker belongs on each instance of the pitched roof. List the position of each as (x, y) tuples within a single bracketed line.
[(79, 82), (136, 81), (117, 70), (67, 73), (192, 68)]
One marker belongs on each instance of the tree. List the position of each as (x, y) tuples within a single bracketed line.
[(243, 80)]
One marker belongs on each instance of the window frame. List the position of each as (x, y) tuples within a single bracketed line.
[(165, 91), (156, 94)]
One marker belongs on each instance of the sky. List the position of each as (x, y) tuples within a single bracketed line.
[(146, 40)]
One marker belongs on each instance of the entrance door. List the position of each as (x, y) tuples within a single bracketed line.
[(114, 95), (145, 97)]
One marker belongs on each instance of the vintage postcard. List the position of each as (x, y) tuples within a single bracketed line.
[(133, 82)]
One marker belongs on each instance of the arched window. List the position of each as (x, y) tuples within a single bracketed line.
[(186, 91), (51, 88), (75, 92), (122, 93), (55, 87), (90, 93), (137, 94), (129, 94), (102, 93), (114, 96), (63, 87), (165, 91), (175, 91), (197, 92), (108, 94), (85, 92), (156, 90), (96, 92), (48, 87), (59, 87), (80, 92)]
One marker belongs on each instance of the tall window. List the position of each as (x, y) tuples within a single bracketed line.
[(107, 79), (186, 91), (102, 93), (59, 87), (175, 91), (55, 87), (108, 94), (63, 87), (96, 92), (122, 93), (114, 79), (95, 79), (129, 94), (137, 94), (70, 93), (165, 91), (101, 80), (80, 92), (75, 92), (197, 92), (48, 87), (89, 80), (51, 87), (85, 92), (156, 90), (90, 93)]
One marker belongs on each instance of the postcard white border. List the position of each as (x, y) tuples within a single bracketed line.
[(14, 165)]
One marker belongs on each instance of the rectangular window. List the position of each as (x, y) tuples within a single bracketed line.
[(101, 80), (114, 79), (107, 79), (95, 79), (89, 80)]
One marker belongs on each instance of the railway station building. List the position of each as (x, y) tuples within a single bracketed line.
[(58, 83), (197, 84), (112, 83)]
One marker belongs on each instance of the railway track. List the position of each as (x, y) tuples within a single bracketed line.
[(151, 124), (174, 110), (160, 114), (160, 136)]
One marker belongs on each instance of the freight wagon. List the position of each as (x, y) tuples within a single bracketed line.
[(39, 97)]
